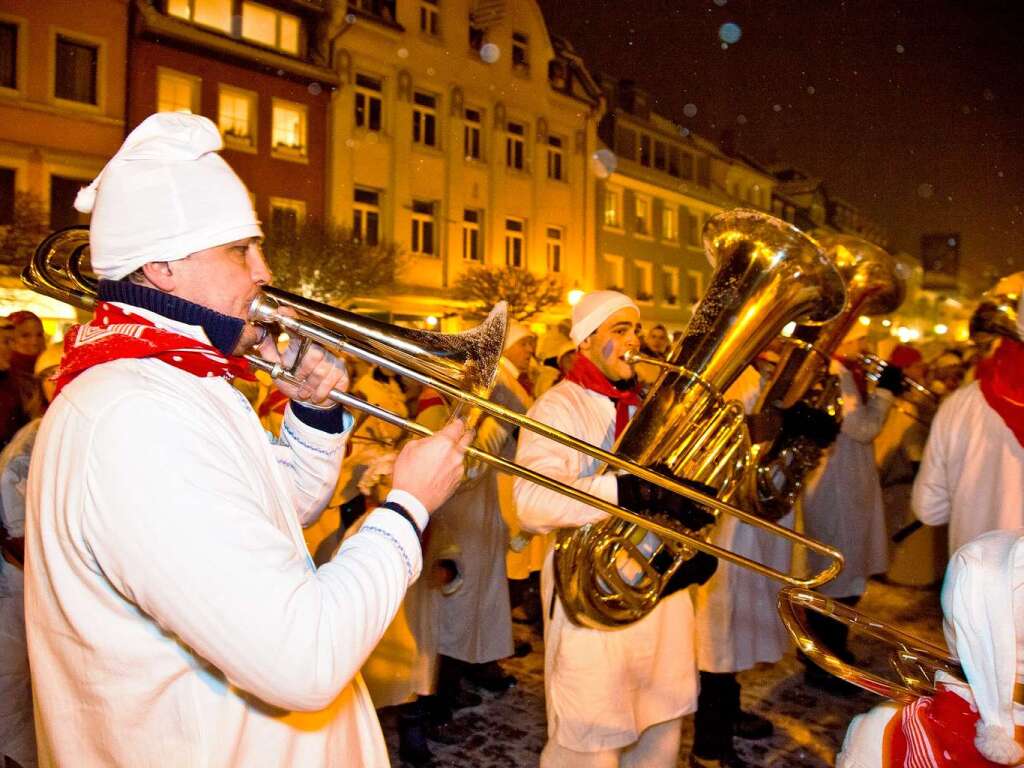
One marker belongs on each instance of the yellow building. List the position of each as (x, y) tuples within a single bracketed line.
[(464, 132), (659, 186), (62, 106)]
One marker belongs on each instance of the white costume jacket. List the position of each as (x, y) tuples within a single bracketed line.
[(603, 688), (842, 504), (972, 473), (174, 616), (738, 625)]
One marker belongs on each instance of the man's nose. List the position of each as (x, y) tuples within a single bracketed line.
[(261, 274)]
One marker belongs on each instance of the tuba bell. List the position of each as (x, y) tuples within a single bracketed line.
[(780, 465), (768, 273)]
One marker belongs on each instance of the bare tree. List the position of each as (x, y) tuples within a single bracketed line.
[(30, 223), (527, 295), (330, 264)]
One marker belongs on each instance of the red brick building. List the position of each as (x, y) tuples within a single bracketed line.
[(260, 71)]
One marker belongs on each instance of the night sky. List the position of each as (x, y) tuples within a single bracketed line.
[(912, 110)]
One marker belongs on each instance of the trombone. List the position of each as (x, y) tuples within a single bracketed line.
[(461, 366), (913, 661)]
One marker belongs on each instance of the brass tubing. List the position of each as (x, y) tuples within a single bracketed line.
[(276, 371)]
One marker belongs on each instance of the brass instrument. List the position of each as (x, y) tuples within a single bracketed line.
[(461, 366), (873, 287), (916, 401), (912, 661), (612, 572)]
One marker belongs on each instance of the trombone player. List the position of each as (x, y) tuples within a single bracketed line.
[(614, 698), (173, 614)]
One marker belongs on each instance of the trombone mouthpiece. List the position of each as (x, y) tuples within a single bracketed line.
[(263, 310)]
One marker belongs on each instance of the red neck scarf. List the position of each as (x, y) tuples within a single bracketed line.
[(113, 334), (587, 375), (935, 732), (1002, 383)]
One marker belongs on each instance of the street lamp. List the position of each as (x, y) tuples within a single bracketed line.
[(431, 321), (574, 296)]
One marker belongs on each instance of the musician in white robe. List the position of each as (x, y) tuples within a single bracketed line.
[(972, 473), (970, 725), (842, 504), (614, 697)]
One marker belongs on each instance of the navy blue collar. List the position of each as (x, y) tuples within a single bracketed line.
[(222, 330)]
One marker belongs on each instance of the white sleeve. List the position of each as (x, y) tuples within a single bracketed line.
[(540, 510), (311, 459), (932, 497), (865, 421), (178, 530), (864, 745)]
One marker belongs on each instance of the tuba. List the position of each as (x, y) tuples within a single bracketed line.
[(612, 572), (780, 465)]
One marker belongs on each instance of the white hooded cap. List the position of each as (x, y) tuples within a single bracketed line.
[(983, 605), (593, 309), (164, 195)]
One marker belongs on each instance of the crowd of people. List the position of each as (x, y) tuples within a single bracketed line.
[(206, 567)]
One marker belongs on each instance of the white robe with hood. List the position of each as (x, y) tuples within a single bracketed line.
[(842, 504), (174, 615), (972, 473), (603, 688)]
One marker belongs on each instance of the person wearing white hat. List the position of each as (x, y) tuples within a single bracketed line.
[(614, 697), (972, 471), (173, 614), (842, 501), (971, 723)]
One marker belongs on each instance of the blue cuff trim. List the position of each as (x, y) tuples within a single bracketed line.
[(331, 420), (387, 535)]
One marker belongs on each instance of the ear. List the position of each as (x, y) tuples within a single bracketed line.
[(160, 275)]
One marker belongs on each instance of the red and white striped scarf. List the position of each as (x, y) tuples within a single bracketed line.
[(114, 333)]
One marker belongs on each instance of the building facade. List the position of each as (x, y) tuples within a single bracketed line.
[(261, 72), (62, 115), (463, 132), (657, 188)]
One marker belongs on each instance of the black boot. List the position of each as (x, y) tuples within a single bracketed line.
[(412, 738), (714, 724)]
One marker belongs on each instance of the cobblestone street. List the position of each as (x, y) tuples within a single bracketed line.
[(508, 731)]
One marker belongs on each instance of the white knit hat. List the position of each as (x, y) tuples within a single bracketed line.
[(983, 604), (164, 195), (516, 331), (593, 309)]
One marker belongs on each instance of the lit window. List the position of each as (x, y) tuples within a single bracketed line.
[(515, 243), (471, 134), (368, 103), (694, 286), (176, 92), (8, 55), (289, 128), (669, 223), (287, 217), (515, 146), (424, 119), (612, 208), (644, 281), (554, 249), (76, 71), (422, 228), (209, 13), (520, 51), (236, 117), (430, 18), (642, 220), (366, 216), (270, 27), (471, 235), (615, 272), (670, 285), (555, 158)]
